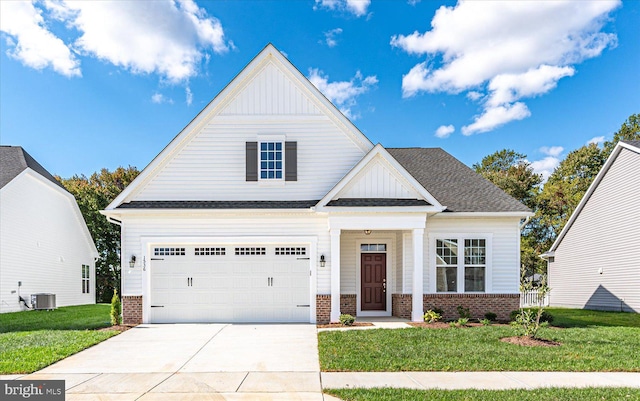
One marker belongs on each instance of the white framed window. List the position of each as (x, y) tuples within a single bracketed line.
[(210, 251), (250, 251), (169, 252), (475, 263), (85, 279), (284, 251), (373, 247), (461, 262), (271, 160)]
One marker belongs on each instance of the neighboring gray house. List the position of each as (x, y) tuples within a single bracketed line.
[(595, 261), (45, 246)]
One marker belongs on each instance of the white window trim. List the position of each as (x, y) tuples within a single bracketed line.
[(460, 237), (373, 239), (262, 138)]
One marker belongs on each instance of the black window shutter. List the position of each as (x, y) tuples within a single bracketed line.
[(291, 161), (252, 161)]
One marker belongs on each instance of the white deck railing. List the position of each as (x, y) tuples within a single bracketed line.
[(530, 298)]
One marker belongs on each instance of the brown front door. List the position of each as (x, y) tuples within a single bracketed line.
[(373, 278)]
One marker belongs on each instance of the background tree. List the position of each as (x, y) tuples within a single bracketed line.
[(511, 172), (94, 194), (630, 130)]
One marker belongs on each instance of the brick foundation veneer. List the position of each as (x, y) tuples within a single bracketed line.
[(348, 304), (401, 305), (323, 309), (132, 309), (478, 304)]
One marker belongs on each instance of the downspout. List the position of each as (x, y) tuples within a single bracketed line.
[(114, 221), (526, 220)]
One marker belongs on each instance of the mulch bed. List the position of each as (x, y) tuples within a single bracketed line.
[(445, 325), (340, 325), (530, 342), (119, 327)]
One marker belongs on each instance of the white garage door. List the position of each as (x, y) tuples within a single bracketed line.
[(229, 283)]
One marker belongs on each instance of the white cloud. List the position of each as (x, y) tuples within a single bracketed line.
[(554, 151), (330, 37), (355, 7), (165, 37), (547, 165), (159, 98), (474, 96), (413, 2), (342, 93), (514, 50), (31, 42), (444, 131), (596, 140), (494, 117), (189, 95)]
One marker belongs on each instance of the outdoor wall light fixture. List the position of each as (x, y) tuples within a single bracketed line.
[(132, 261), (367, 232), (322, 261)]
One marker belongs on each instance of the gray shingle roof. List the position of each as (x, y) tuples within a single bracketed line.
[(633, 143), (373, 202), (14, 160), (452, 183), (304, 204)]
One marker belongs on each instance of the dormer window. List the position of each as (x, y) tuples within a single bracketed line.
[(271, 160)]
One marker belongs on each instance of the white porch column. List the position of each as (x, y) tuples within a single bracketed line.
[(335, 275), (418, 271)]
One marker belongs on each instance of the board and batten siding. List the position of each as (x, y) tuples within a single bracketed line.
[(505, 234), (287, 225), (43, 244), (605, 235), (378, 180)]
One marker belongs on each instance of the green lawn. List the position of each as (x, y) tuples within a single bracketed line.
[(564, 317), (546, 394), (31, 340), (591, 346)]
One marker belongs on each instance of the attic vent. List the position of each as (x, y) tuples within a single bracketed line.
[(210, 251), (168, 251), (291, 251), (251, 251)]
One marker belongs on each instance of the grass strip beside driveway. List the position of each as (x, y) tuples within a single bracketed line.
[(478, 349), (545, 394), (32, 340), (28, 351)]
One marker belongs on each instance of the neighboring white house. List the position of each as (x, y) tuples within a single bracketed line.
[(595, 261), (271, 206), (45, 246)]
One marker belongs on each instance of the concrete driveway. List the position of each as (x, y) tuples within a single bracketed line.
[(196, 362)]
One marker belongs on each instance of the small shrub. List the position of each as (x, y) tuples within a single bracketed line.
[(347, 320), (432, 316), (490, 316), (545, 317), (528, 324), (513, 315), (453, 324), (116, 309), (463, 312), (462, 321), (438, 311), (485, 322)]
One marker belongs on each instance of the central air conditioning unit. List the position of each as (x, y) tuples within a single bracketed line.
[(43, 301)]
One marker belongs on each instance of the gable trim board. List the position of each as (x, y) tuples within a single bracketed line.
[(633, 146), (195, 195)]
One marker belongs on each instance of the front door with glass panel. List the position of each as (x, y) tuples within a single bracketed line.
[(373, 280)]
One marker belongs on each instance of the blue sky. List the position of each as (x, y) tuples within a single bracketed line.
[(86, 85)]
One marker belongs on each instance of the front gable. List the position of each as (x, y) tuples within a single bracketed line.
[(378, 180), (269, 101)]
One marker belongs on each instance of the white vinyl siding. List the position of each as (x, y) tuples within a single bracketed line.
[(42, 244), (605, 235), (504, 275), (212, 165)]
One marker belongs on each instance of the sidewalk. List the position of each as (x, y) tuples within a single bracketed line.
[(478, 380)]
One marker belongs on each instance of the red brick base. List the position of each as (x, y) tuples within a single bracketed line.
[(323, 308), (132, 309), (401, 305), (348, 304), (478, 304)]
